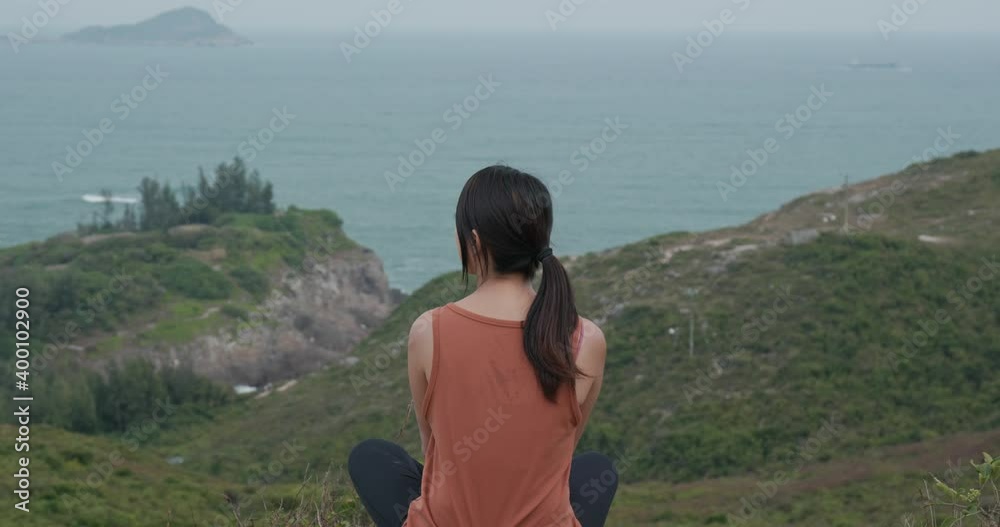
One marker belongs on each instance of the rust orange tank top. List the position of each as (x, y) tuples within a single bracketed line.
[(499, 453)]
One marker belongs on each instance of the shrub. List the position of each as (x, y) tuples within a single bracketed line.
[(978, 504), (194, 279), (253, 281), (234, 311)]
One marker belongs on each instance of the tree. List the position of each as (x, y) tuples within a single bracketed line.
[(160, 209), (129, 222), (231, 189), (108, 210), (131, 393), (149, 190), (170, 210)]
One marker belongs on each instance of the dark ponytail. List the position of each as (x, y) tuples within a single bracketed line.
[(548, 330), (511, 212)]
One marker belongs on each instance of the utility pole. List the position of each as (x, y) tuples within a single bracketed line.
[(691, 292), (847, 207), (691, 335)]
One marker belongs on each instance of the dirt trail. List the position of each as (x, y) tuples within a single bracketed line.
[(927, 457)]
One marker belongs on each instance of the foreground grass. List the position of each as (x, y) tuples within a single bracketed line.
[(101, 481), (98, 481)]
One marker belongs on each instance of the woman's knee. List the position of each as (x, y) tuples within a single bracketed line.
[(600, 467), (364, 454)]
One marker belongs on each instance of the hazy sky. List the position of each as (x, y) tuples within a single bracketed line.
[(418, 15)]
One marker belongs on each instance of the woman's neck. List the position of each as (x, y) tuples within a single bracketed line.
[(505, 297)]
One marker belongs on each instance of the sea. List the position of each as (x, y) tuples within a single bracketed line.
[(636, 134)]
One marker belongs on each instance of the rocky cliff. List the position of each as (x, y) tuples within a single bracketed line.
[(250, 299), (315, 315)]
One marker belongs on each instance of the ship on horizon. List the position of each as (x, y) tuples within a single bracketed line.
[(856, 64)]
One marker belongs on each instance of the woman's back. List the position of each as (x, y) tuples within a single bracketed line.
[(498, 449), (503, 383)]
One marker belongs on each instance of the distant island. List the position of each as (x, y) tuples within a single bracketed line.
[(186, 26)]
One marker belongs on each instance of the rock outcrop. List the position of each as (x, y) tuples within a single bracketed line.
[(315, 315)]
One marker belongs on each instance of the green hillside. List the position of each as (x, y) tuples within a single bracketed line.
[(96, 301), (175, 265), (159, 276), (750, 395), (815, 349)]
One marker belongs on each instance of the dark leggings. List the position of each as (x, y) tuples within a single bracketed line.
[(388, 479)]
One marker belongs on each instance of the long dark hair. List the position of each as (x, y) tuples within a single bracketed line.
[(511, 212)]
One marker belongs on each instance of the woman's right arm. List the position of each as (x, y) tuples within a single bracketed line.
[(420, 351)]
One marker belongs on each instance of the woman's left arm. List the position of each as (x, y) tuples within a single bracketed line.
[(590, 360)]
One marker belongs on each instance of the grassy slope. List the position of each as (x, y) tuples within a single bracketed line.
[(126, 487), (181, 284), (880, 487), (835, 352), (99, 481), (855, 298)]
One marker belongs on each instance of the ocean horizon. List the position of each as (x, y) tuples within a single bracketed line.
[(631, 143)]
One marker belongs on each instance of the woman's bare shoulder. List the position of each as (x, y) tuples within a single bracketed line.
[(593, 347), (591, 331), (421, 332)]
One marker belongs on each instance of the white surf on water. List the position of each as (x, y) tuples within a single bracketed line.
[(97, 198)]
